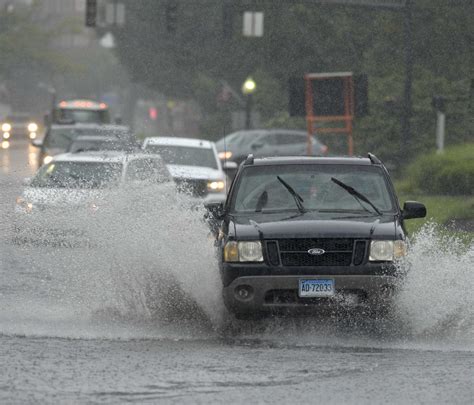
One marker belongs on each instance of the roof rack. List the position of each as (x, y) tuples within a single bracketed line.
[(374, 159), (249, 160)]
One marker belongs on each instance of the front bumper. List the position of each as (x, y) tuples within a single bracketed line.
[(270, 292)]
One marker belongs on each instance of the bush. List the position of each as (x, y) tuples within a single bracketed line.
[(450, 173)]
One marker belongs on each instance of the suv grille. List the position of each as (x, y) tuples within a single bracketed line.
[(338, 252), (193, 187)]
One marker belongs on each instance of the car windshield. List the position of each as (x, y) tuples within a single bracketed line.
[(61, 138), (19, 118), (149, 170), (78, 175), (185, 155), (85, 116), (237, 138), (96, 145), (260, 190), (117, 132)]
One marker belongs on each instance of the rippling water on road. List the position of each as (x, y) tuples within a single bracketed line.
[(137, 317)]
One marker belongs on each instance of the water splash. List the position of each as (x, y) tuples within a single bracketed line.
[(437, 298)]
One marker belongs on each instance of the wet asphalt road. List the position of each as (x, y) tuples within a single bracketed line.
[(66, 338)]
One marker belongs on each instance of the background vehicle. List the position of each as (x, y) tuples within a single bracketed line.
[(82, 111), (58, 138), (90, 143), (194, 165), (266, 142), (19, 125), (311, 232), (71, 186)]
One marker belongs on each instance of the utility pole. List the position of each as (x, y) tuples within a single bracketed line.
[(407, 95)]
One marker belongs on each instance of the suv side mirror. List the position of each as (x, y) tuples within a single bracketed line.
[(215, 210), (413, 209), (37, 143)]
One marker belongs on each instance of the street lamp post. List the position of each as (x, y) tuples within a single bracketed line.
[(248, 88)]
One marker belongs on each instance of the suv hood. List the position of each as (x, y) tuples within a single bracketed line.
[(310, 225), (195, 172), (58, 197)]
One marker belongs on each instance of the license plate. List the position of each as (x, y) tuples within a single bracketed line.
[(316, 287)]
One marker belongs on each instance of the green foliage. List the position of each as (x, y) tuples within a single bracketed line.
[(303, 37), (450, 173)]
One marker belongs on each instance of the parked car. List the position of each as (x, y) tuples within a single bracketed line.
[(58, 138), (56, 203), (194, 165), (267, 142), (309, 233)]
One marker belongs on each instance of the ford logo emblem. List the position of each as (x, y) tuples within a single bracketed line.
[(316, 251)]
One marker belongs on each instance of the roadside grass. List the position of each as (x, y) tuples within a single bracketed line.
[(444, 210)]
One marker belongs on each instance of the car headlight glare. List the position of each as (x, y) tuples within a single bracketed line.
[(246, 251), (47, 159), (225, 155), (217, 185), (6, 135), (387, 250), (27, 206), (6, 127), (32, 127)]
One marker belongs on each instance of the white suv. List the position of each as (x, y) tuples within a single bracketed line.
[(193, 164)]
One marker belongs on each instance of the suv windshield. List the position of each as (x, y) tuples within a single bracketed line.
[(185, 155), (78, 175), (260, 190)]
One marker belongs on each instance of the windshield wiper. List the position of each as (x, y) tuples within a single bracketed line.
[(356, 194), (298, 199)]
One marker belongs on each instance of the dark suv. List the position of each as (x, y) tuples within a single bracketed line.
[(305, 232)]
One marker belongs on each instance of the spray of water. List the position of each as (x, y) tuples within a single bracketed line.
[(437, 297), (149, 270), (140, 256)]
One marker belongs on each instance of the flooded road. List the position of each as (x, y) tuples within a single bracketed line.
[(139, 319)]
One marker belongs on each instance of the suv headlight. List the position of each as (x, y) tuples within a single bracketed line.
[(225, 155), (216, 185), (248, 251), (25, 205), (387, 250), (6, 127)]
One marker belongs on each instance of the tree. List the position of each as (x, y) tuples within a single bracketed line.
[(301, 36)]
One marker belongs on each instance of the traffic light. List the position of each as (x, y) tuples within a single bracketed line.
[(91, 13), (171, 15)]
